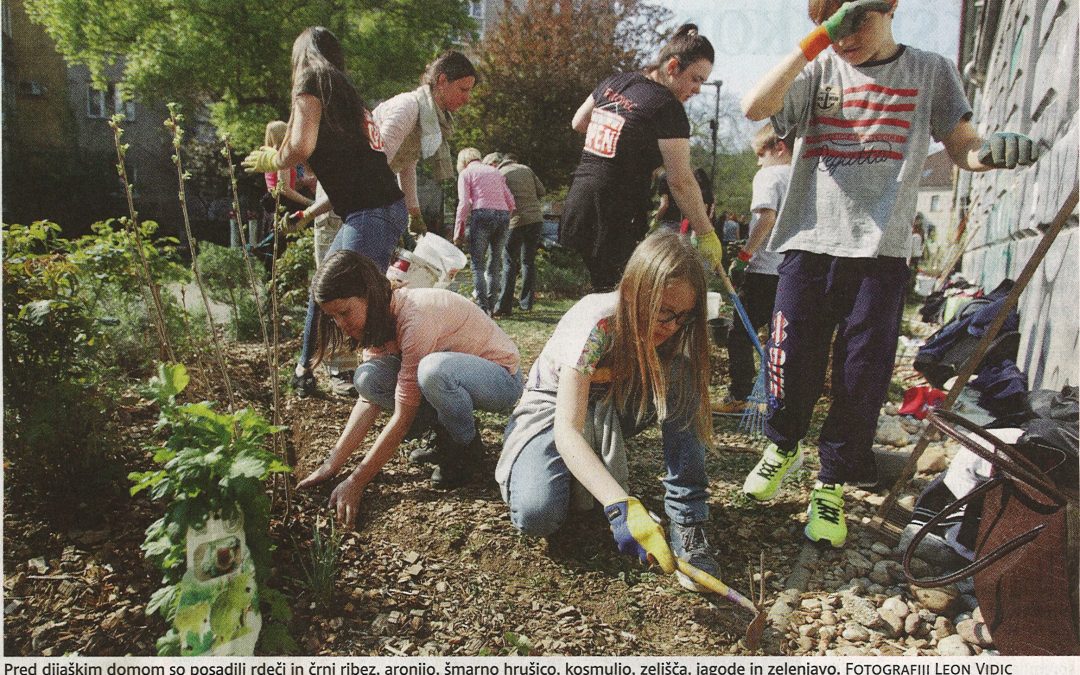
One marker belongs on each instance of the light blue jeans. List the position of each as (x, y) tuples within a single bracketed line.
[(488, 232), (454, 384), (370, 232), (538, 493)]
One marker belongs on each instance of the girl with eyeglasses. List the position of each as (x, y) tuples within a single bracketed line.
[(617, 362)]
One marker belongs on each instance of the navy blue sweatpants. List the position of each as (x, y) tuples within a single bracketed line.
[(862, 301)]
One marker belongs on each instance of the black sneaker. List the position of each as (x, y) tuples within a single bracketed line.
[(304, 385), (456, 462), (688, 542)]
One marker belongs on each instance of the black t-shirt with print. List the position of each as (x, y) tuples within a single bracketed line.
[(674, 213), (352, 169), (630, 114)]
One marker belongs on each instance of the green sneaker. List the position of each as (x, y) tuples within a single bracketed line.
[(763, 482), (826, 513)]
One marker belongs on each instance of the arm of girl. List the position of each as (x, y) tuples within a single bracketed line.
[(360, 420), (289, 191), (303, 131), (581, 119), (345, 499), (571, 406), (684, 187)]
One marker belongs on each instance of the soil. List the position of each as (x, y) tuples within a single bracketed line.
[(427, 571)]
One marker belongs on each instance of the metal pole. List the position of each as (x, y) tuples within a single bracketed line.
[(714, 125)]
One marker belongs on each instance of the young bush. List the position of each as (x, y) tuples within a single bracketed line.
[(224, 272), (214, 464), (294, 270), (561, 274), (58, 390)]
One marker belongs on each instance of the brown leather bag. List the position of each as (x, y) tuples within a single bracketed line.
[(1026, 551)]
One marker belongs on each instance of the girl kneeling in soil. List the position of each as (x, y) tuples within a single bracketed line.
[(423, 344), (616, 362)]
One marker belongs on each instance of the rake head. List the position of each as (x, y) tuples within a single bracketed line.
[(752, 422)]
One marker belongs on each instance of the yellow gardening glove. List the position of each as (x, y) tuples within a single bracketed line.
[(636, 533), (263, 160), (711, 249), (296, 221)]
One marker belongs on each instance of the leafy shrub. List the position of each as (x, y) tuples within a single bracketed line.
[(224, 272), (57, 388), (214, 464), (560, 273), (295, 268)]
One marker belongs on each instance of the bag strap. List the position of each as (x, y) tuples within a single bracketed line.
[(977, 565), (1004, 457)]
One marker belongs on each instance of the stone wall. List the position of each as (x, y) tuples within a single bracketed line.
[(1030, 85)]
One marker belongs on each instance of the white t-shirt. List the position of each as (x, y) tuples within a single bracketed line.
[(863, 134), (580, 339), (770, 186), (916, 246)]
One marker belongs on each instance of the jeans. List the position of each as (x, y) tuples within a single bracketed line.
[(520, 252), (488, 228), (370, 232), (539, 485), (454, 384)]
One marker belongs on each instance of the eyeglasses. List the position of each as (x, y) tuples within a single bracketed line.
[(666, 316)]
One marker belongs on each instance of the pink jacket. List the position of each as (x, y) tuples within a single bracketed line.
[(480, 186)]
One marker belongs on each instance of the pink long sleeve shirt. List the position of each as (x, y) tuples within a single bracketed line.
[(480, 187)]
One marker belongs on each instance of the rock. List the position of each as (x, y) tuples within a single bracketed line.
[(891, 432), (943, 628), (876, 589), (933, 460), (827, 633), (807, 629), (828, 618), (881, 549), (953, 645), (37, 565), (897, 605), (860, 610), (911, 425), (937, 600), (810, 604), (805, 643), (912, 624), (857, 560), (892, 622), (880, 573), (856, 633), (974, 632)]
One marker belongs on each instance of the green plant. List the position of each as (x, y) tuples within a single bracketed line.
[(561, 274), (225, 276), (517, 645), (213, 464), (321, 566), (295, 267), (58, 390)]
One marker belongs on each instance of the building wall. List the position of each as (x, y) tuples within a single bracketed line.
[(1030, 85), (35, 86)]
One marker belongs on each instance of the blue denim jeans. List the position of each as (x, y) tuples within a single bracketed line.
[(454, 384), (539, 484), (370, 232), (520, 252), (488, 230)]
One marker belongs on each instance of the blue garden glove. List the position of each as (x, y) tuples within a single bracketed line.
[(1007, 150), (710, 247), (263, 160), (840, 25), (636, 533)]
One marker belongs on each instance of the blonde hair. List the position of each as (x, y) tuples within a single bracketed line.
[(641, 371), (275, 133), (465, 156)]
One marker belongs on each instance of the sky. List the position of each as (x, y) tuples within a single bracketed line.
[(750, 36)]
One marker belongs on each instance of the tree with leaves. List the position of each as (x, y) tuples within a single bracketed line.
[(233, 55), (540, 62)]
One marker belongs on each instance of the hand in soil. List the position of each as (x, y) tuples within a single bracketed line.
[(323, 473), (345, 500)]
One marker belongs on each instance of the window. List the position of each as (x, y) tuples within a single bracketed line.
[(103, 104), (476, 9), (935, 203)]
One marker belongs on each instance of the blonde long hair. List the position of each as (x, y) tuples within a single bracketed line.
[(641, 371)]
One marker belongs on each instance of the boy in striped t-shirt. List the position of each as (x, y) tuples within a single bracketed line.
[(864, 114)]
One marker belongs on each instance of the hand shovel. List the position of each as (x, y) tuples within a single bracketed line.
[(757, 624)]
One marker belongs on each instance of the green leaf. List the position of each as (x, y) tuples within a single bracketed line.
[(247, 466), (163, 601)]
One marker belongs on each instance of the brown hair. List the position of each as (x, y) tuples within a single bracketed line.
[(687, 46), (347, 274), (453, 64), (641, 372), (819, 10), (765, 138), (318, 60)]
